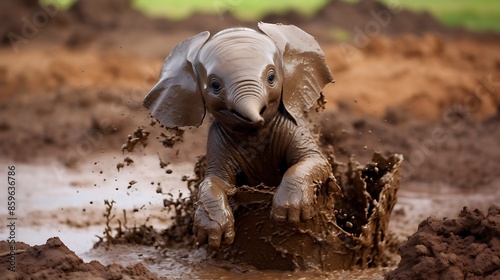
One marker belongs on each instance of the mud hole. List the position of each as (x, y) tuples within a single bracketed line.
[(71, 95), (349, 229)]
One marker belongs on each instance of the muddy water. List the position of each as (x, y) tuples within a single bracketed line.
[(52, 200), (195, 264), (69, 203)]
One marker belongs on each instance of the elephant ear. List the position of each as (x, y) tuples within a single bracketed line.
[(305, 70), (176, 99)]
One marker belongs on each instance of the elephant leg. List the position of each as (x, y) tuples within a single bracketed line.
[(213, 219), (293, 200)]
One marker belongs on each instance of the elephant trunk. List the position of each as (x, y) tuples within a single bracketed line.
[(249, 104), (251, 111)]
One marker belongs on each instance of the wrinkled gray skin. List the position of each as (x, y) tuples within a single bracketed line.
[(257, 85)]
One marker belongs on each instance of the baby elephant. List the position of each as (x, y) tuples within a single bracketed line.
[(257, 85)]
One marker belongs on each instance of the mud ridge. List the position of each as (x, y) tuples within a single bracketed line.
[(53, 260), (87, 18), (453, 248)]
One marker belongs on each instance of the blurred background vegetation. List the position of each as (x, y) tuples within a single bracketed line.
[(478, 15)]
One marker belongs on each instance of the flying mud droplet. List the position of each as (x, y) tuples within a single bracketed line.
[(320, 103), (162, 163), (128, 161), (153, 122), (131, 183), (171, 137), (139, 136), (119, 166)]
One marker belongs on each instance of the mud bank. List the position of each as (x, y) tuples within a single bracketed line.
[(89, 18), (453, 248), (54, 260)]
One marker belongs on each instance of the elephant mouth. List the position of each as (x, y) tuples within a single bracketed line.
[(240, 118)]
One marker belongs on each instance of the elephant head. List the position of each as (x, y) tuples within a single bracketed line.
[(242, 76)]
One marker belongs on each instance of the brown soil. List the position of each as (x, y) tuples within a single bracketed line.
[(72, 88), (54, 260), (466, 247), (87, 19)]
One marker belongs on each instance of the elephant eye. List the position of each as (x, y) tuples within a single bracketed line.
[(271, 78), (215, 86)]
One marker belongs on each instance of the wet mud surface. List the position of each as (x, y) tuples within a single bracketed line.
[(71, 95)]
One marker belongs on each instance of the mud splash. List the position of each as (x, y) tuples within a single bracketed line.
[(349, 230)]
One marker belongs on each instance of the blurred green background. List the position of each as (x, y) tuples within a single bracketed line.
[(476, 15)]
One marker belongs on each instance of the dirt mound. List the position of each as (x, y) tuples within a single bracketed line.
[(54, 260), (104, 15), (14, 15), (370, 16), (363, 19), (21, 21), (463, 247)]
